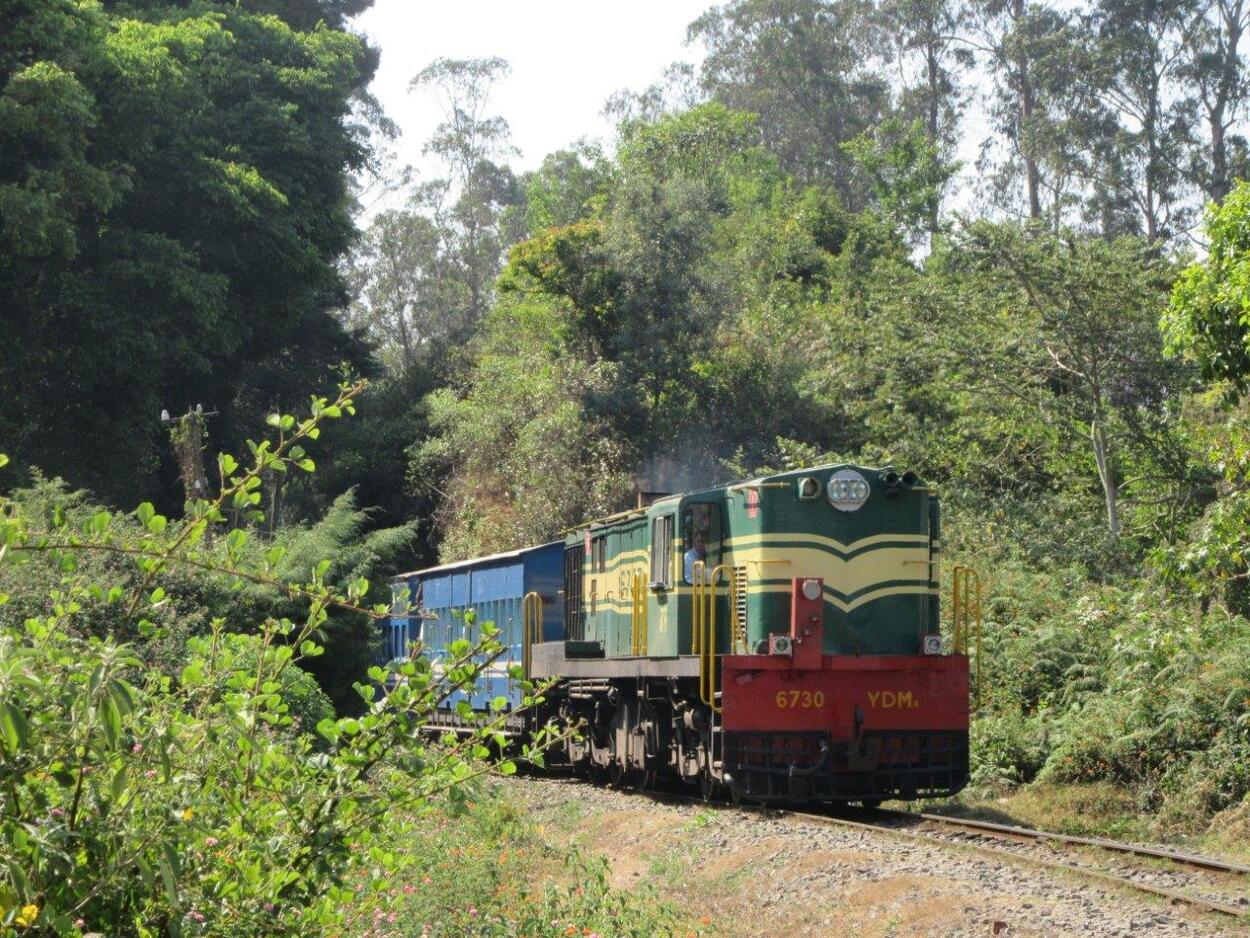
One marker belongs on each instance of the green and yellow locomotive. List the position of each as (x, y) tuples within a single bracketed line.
[(777, 638)]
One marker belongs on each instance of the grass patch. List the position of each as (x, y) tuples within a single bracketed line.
[(1096, 810), (488, 872)]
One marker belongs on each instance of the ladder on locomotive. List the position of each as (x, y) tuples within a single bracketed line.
[(705, 635)]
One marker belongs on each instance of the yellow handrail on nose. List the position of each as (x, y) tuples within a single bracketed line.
[(966, 612)]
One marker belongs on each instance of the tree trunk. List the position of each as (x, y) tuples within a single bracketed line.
[(934, 70), (1219, 159), (1028, 105), (1103, 460)]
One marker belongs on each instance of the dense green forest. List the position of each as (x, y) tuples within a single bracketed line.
[(776, 261)]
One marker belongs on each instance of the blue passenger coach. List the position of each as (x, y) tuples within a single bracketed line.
[(430, 606)]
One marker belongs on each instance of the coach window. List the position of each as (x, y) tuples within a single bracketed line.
[(662, 552)]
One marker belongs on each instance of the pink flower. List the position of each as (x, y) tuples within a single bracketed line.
[(80, 923), (390, 919), (427, 880), (409, 889), (137, 748), (150, 773), (472, 911), (211, 841), (57, 812), (197, 917)]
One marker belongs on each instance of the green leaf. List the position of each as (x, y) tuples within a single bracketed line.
[(169, 872), (13, 726), (145, 512), (156, 524), (110, 720), (227, 463), (123, 697), (118, 785)]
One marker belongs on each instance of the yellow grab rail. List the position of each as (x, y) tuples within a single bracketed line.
[(697, 571), (705, 596), (966, 613), (531, 628), (638, 615)]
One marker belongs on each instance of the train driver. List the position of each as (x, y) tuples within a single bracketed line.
[(697, 552)]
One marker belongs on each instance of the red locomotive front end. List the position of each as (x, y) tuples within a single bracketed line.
[(802, 725)]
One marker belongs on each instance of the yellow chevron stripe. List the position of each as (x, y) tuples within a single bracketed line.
[(858, 601), (846, 576), (762, 540)]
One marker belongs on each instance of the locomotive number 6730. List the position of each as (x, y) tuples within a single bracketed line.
[(802, 699)]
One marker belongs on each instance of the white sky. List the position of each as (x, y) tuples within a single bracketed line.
[(567, 57)]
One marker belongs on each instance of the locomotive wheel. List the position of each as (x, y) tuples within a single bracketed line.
[(709, 787), (617, 776), (647, 779), (598, 775)]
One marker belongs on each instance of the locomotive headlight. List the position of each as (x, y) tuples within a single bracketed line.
[(933, 644), (811, 589), (847, 490)]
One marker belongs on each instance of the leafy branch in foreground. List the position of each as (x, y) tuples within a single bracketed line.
[(142, 803)]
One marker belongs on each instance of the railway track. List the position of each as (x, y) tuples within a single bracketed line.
[(1204, 883)]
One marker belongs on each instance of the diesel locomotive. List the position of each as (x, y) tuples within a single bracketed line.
[(778, 639)]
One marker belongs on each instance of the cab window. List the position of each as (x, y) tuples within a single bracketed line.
[(701, 535)]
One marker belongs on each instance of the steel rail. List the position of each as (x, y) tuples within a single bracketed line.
[(1010, 831)]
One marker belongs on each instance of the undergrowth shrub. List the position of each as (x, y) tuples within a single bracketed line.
[(1126, 684), (148, 801)]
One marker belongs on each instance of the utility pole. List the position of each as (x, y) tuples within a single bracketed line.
[(187, 434)]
